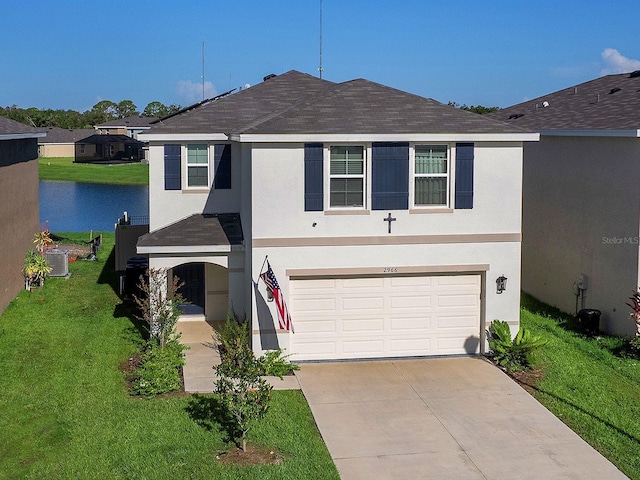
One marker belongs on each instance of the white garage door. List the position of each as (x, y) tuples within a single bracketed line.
[(398, 316)]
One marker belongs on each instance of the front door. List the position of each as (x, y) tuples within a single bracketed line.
[(192, 276)]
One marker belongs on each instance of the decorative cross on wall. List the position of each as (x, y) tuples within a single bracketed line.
[(389, 219)]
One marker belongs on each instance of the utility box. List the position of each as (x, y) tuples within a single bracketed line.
[(589, 318), (58, 260)]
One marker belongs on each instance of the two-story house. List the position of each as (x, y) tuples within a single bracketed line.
[(388, 219)]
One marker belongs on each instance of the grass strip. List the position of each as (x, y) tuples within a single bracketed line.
[(66, 412), (63, 169), (590, 384)]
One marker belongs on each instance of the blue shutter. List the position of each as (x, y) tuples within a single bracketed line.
[(222, 166), (464, 175), (390, 176), (313, 177), (172, 167)]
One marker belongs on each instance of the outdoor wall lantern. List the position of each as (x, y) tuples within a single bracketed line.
[(501, 284), (269, 295)]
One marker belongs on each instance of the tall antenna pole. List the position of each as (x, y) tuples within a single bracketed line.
[(320, 69), (203, 71)]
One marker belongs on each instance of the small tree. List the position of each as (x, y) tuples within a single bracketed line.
[(42, 240), (244, 393), (158, 304)]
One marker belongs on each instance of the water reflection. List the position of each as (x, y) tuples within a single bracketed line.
[(80, 207)]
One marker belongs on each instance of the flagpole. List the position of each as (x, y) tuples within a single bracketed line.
[(262, 268)]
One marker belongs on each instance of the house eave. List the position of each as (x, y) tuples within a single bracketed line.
[(179, 137), (591, 133), (22, 136), (402, 137), (189, 249)]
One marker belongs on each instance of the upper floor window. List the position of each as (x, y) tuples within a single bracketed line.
[(197, 165), (346, 176), (431, 175)]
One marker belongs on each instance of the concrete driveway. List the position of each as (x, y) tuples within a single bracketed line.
[(457, 418)]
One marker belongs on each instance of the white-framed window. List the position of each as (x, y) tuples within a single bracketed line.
[(347, 176), (197, 165), (431, 176)]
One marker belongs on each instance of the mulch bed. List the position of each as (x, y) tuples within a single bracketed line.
[(255, 455)]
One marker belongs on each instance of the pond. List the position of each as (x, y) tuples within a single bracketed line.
[(81, 207)]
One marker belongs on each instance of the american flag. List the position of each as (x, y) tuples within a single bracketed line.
[(284, 319)]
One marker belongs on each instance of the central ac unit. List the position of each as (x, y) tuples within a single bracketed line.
[(58, 260)]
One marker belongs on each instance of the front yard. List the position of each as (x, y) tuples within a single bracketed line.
[(66, 412)]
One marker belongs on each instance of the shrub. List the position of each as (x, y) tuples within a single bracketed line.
[(276, 364), (160, 369), (513, 354)]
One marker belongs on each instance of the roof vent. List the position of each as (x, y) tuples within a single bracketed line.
[(614, 90), (513, 116), (634, 74), (545, 104), (271, 75)]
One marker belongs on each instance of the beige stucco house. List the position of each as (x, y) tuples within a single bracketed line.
[(386, 217), (19, 203), (60, 142), (581, 219)]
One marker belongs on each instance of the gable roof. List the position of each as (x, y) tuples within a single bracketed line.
[(12, 130), (134, 121), (295, 103), (64, 135), (611, 102)]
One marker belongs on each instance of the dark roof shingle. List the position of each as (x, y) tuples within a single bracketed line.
[(11, 127), (197, 230), (297, 103), (611, 102)]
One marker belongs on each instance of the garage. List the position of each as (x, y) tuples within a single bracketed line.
[(385, 316)]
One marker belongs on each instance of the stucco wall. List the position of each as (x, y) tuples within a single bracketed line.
[(169, 206), (278, 213), (19, 212), (581, 207), (57, 150)]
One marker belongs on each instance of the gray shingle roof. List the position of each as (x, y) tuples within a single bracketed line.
[(11, 127), (63, 135), (197, 230), (297, 103), (130, 122), (606, 103)]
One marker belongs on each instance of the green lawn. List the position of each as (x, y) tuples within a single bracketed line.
[(589, 384), (63, 168), (66, 412)]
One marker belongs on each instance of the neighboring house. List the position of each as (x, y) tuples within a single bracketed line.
[(130, 126), (60, 142), (108, 148), (19, 203), (387, 217), (581, 218)]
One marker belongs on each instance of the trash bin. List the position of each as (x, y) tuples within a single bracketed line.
[(590, 320), (135, 270)]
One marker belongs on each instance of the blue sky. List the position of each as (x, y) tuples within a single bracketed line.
[(72, 54)]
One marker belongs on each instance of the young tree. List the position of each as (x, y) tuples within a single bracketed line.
[(245, 395), (158, 304)]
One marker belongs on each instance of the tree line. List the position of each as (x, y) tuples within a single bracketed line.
[(101, 112)]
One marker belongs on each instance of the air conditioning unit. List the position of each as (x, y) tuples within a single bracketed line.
[(58, 260)]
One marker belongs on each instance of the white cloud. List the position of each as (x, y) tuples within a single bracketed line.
[(615, 62), (192, 92)]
